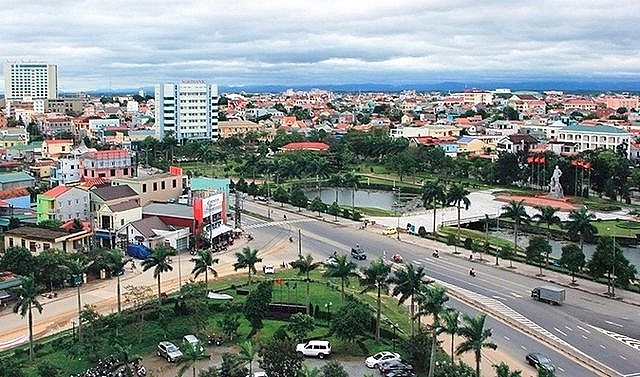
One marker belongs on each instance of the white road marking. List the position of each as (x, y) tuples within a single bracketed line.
[(560, 331), (568, 328), (498, 297), (631, 342), (416, 262), (603, 347), (622, 357), (584, 337), (561, 370), (516, 295), (523, 347), (583, 329), (506, 338), (613, 323)]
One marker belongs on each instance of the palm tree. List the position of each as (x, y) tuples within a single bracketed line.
[(159, 261), (116, 263), (450, 325), (306, 371), (457, 195), (580, 224), (248, 259), (503, 370), (548, 216), (343, 269), (305, 265), (76, 268), (433, 192), (515, 210), (431, 301), (188, 360), (476, 337), (407, 283), (247, 354), (376, 276), (203, 264), (27, 294)]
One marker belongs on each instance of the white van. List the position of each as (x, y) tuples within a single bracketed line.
[(315, 348)]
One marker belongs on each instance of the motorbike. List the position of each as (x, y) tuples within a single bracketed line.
[(215, 339), (435, 254), (290, 239), (249, 237), (472, 273)]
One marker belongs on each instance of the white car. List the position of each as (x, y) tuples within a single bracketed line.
[(373, 360), (315, 348), (269, 269)]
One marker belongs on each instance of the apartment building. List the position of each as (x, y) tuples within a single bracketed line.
[(34, 80), (109, 164), (56, 147), (588, 137), (63, 203), (11, 137), (189, 109), (156, 187)]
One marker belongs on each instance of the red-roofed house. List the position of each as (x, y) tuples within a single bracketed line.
[(305, 146), (107, 164), (56, 147), (63, 203)]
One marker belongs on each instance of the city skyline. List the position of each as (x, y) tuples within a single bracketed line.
[(250, 43)]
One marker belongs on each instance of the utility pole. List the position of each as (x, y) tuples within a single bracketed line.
[(299, 243)]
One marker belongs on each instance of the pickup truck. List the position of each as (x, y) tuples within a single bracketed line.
[(548, 294)]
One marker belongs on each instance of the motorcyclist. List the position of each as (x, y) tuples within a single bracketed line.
[(472, 272)]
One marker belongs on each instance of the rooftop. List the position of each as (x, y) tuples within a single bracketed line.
[(15, 177), (37, 233), (168, 209), (107, 193), (600, 128)]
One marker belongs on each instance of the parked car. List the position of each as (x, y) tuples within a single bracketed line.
[(315, 348), (169, 351), (400, 373), (386, 366), (540, 361), (358, 253), (269, 269), (193, 342), (389, 231), (373, 360)]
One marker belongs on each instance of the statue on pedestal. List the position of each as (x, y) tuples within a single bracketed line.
[(555, 188)]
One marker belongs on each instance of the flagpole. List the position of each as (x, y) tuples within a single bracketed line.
[(575, 180)]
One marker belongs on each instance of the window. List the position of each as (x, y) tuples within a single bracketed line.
[(121, 222), (155, 186), (112, 172), (23, 243), (10, 242), (162, 185), (144, 187), (46, 246), (174, 183)]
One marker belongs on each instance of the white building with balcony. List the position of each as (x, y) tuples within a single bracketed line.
[(587, 137)]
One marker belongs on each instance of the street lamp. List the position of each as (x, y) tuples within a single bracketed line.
[(397, 206), (328, 307), (612, 270)]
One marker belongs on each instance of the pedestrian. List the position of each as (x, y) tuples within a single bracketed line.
[(133, 265)]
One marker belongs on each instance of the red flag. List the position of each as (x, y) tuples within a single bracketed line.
[(278, 282), (542, 160), (529, 160), (574, 163), (586, 165), (536, 160)]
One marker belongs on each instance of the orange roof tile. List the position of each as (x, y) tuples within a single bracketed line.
[(56, 191)]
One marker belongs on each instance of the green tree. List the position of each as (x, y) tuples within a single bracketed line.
[(48, 272), (257, 304), (433, 192), (407, 282), (376, 276), (515, 211), (305, 265), (116, 262), (278, 358), (458, 196), (572, 259), (476, 338), (27, 294), (48, 369), (431, 300), (503, 370), (317, 205), (248, 259), (537, 249), (547, 215), (342, 269), (247, 354), (18, 260), (280, 195), (351, 321), (300, 325), (159, 261), (203, 263), (580, 226), (307, 371), (608, 260), (298, 198), (333, 369), (450, 325), (126, 358), (229, 323), (506, 168), (76, 268)]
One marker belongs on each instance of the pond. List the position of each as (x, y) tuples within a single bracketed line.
[(360, 198), (631, 253)]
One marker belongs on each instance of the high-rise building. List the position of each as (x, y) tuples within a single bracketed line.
[(33, 80), (189, 109)]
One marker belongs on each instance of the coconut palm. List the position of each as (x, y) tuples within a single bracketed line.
[(407, 282), (431, 300), (433, 192), (376, 277), (247, 354), (457, 195), (547, 216), (159, 260), (503, 370), (203, 264), (305, 265), (450, 325), (248, 259), (27, 294), (76, 268), (580, 224), (343, 269), (515, 211), (476, 336), (116, 262)]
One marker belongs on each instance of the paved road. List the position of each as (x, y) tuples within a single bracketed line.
[(600, 331)]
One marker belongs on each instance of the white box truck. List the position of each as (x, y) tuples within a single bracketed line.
[(548, 294)]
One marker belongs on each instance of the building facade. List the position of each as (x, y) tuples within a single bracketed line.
[(189, 109), (34, 80), (163, 187), (593, 137), (37, 239), (63, 203), (109, 164)]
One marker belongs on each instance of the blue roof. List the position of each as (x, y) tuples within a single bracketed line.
[(465, 139)]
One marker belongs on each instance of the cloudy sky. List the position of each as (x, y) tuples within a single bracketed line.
[(128, 44)]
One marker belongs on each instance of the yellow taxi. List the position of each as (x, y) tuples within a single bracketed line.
[(389, 231)]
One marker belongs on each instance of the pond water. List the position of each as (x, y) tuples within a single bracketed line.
[(631, 253), (359, 198)]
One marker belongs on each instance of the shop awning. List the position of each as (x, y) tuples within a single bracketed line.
[(222, 229)]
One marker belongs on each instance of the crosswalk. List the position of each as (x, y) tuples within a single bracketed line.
[(276, 223)]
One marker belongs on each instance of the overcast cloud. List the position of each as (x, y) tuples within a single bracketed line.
[(127, 44)]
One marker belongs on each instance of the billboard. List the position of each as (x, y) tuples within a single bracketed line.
[(205, 207)]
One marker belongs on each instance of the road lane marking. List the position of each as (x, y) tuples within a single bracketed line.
[(416, 262), (584, 337), (523, 347), (622, 357), (560, 331), (516, 295), (613, 323), (603, 347), (583, 329), (561, 369), (506, 338), (568, 328), (631, 342)]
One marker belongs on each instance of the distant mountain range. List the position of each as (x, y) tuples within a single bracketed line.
[(574, 86)]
